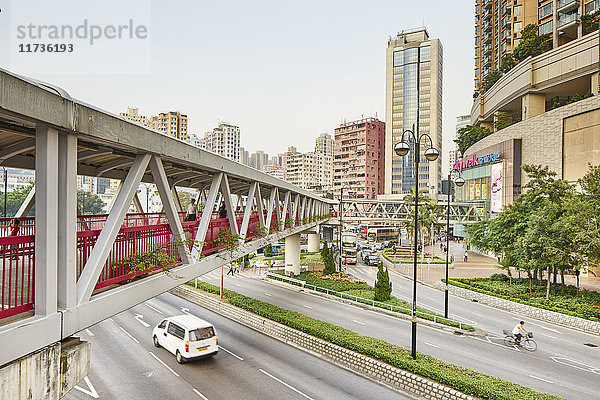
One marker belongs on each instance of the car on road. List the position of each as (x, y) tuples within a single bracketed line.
[(187, 337), (371, 260), (365, 253), (378, 246)]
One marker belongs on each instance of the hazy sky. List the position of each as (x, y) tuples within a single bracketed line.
[(283, 71)]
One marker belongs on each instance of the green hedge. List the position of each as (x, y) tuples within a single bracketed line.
[(402, 259), (585, 305), (460, 378), (348, 290)]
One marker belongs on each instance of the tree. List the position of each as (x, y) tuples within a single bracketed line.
[(14, 200), (328, 261), (470, 135), (89, 203), (531, 43), (429, 214), (184, 198), (507, 63), (502, 120), (383, 286), (489, 81), (268, 250)]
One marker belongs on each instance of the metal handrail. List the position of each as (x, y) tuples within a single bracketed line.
[(402, 310)]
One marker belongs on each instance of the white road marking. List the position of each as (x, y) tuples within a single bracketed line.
[(138, 318), (185, 310), (200, 394), (432, 345), (89, 332), (541, 379), (152, 308), (358, 322), (237, 284), (235, 355), (543, 334), (283, 383), (268, 294), (304, 305), (165, 365), (91, 392), (576, 364), (474, 313), (127, 333)]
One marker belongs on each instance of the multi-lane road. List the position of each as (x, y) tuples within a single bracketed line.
[(249, 365), (562, 365)]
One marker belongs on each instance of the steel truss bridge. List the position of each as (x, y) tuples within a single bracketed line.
[(64, 271), (364, 211)]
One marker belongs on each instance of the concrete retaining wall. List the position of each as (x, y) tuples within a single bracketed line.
[(48, 373), (376, 370), (523, 309)]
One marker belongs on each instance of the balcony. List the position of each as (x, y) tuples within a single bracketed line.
[(566, 21), (567, 5)]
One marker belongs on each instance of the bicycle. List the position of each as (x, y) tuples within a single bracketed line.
[(526, 342)]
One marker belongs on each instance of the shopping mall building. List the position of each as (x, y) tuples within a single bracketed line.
[(565, 137)]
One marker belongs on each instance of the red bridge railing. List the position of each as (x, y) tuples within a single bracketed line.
[(139, 234)]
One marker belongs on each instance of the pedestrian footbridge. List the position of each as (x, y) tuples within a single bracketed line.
[(65, 271)]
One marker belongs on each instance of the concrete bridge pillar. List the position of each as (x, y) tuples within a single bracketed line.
[(292, 254), (314, 242)]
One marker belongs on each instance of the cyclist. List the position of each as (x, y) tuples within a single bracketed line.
[(519, 330)]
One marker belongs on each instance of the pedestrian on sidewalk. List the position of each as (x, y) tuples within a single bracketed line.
[(231, 271), (466, 255), (192, 211)]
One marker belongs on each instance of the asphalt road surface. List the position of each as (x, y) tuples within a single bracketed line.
[(562, 364), (249, 365)]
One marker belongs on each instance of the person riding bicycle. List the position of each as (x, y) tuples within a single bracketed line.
[(519, 331)]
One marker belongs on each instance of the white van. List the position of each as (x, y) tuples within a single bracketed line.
[(187, 337)]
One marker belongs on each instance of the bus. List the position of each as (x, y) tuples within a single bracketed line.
[(382, 233), (349, 240)]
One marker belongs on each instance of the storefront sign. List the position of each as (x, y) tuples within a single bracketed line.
[(497, 180), (475, 161)]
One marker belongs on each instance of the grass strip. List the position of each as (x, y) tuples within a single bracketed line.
[(459, 378)]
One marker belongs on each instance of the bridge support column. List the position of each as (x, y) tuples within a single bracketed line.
[(314, 242), (292, 254)]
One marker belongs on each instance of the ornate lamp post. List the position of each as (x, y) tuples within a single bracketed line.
[(458, 182), (431, 154)]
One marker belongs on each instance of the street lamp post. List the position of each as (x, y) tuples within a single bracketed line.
[(431, 154), (459, 182)]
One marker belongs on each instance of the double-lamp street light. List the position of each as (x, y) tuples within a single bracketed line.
[(431, 154), (459, 181)]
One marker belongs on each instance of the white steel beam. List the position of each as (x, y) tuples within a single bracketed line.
[(271, 205), (138, 204), (67, 221), (176, 199), (27, 204), (46, 221), (248, 210), (286, 202), (295, 206), (97, 259), (206, 217), (87, 154), (162, 184), (226, 193), (112, 165), (16, 149), (260, 210)]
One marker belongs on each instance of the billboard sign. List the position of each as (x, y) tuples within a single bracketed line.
[(497, 182)]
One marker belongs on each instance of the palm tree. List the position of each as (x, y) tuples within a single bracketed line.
[(429, 213)]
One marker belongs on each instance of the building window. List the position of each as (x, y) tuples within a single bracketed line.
[(517, 10), (544, 11), (518, 27), (545, 28), (592, 6)]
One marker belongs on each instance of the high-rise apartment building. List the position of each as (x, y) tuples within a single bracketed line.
[(259, 159), (244, 156), (132, 114), (224, 140), (173, 123), (324, 144), (498, 26), (359, 158), (275, 170), (413, 101), (197, 141), (311, 171)]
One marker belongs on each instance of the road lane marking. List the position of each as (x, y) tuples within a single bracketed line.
[(285, 384), (474, 313), (138, 318), (165, 365), (185, 310), (432, 345), (543, 334), (199, 394), (304, 305), (91, 392), (127, 333), (358, 322), (268, 294), (576, 364), (152, 308), (235, 355), (237, 284), (89, 332), (541, 379)]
